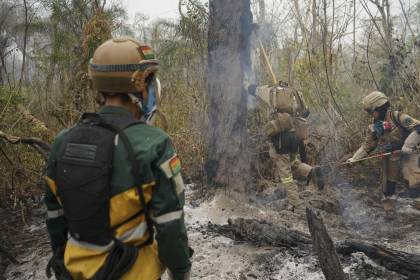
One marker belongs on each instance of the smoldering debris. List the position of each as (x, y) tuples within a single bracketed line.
[(286, 256), (359, 266)]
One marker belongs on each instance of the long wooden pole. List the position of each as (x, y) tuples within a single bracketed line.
[(267, 62), (380, 155)]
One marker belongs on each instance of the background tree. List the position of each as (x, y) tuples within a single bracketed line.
[(333, 51)]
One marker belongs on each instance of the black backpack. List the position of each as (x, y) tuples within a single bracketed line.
[(83, 172), (83, 176)]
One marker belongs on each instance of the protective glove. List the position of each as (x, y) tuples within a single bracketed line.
[(317, 176), (350, 160), (380, 127), (359, 154), (389, 148), (186, 276), (417, 129), (288, 142), (56, 265)]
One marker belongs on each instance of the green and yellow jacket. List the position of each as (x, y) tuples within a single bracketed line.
[(163, 190)]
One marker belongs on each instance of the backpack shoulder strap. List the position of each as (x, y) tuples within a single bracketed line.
[(303, 108), (135, 167), (396, 118), (117, 124)]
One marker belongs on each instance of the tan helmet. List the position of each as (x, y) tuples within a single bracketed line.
[(122, 65), (374, 100)]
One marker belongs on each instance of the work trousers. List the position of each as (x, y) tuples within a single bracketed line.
[(288, 165)]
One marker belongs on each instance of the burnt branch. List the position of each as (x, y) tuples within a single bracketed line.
[(42, 147)]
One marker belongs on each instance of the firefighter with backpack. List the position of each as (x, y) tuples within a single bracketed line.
[(114, 186), (392, 131), (286, 131)]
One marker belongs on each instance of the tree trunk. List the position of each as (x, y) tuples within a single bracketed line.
[(324, 248), (25, 40), (314, 29), (230, 27), (9, 256)]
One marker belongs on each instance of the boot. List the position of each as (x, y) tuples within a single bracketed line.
[(417, 203), (388, 203), (415, 195), (390, 189), (317, 177)]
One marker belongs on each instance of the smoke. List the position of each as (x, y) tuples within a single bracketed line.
[(357, 187)]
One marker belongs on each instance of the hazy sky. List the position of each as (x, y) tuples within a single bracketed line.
[(152, 8)]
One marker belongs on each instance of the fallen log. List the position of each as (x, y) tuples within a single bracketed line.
[(264, 233), (394, 260), (324, 248)]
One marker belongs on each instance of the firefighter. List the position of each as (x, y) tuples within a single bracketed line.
[(286, 130), (392, 131), (114, 190)]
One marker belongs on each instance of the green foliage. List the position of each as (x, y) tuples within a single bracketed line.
[(59, 46), (9, 97), (183, 62)]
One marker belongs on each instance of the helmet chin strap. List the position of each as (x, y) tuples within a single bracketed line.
[(136, 101)]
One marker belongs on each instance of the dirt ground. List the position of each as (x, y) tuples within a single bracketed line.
[(349, 209)]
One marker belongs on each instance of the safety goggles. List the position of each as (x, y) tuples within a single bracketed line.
[(369, 111)]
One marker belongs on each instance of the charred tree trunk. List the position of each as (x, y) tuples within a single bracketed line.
[(262, 233), (6, 253), (230, 27), (324, 248)]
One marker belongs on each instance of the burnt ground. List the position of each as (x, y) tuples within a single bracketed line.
[(247, 258), (350, 207), (359, 197), (26, 240)]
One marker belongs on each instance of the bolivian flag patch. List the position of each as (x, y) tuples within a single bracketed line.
[(147, 52), (175, 165)]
